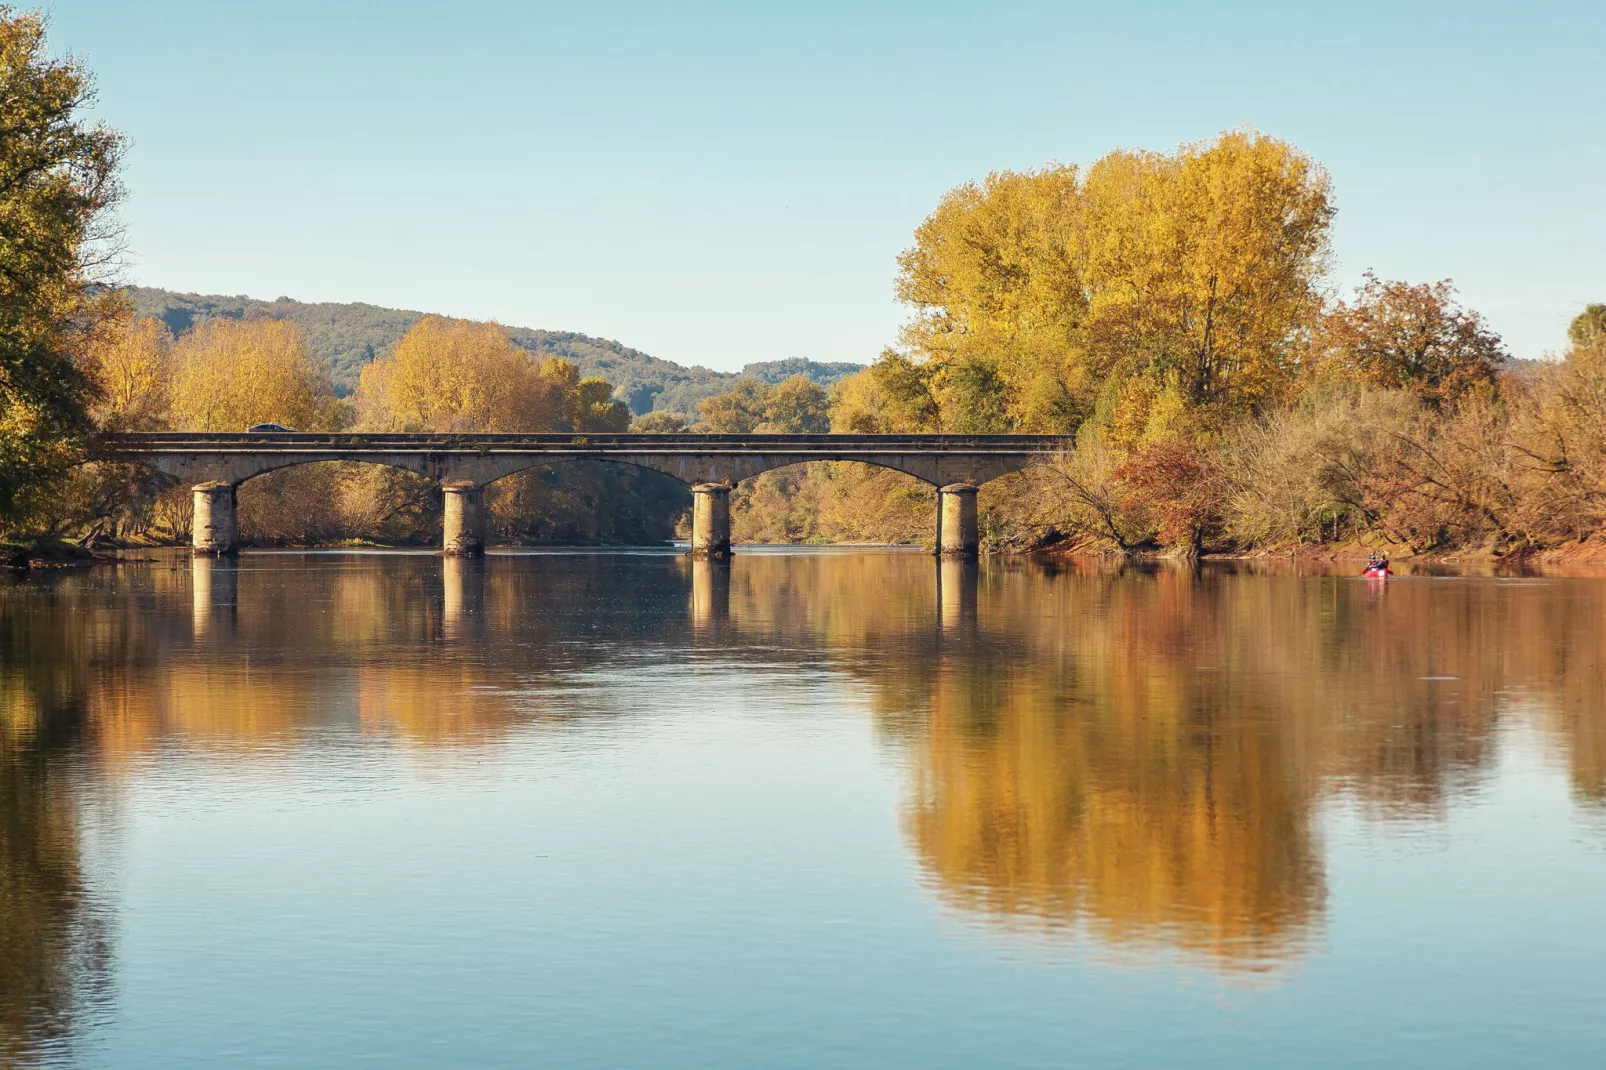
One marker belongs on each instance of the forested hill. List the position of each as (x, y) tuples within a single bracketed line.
[(347, 336)]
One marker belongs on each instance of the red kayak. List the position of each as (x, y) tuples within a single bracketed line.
[(1380, 573)]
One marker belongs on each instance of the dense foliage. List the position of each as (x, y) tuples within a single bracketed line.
[(1144, 283), (1170, 313), (57, 180)]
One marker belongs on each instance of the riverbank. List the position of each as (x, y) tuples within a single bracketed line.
[(47, 553)]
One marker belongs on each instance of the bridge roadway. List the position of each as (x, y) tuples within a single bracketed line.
[(216, 463)]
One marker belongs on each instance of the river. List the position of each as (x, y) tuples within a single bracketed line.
[(809, 809)]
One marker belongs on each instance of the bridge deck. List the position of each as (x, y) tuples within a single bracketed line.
[(324, 442), (480, 459)]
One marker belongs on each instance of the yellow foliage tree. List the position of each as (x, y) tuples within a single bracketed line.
[(129, 367), (1037, 292), (581, 404), (1204, 265), (453, 375), (796, 406), (230, 374), (459, 376)]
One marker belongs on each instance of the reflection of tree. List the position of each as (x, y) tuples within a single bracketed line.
[(1133, 754), (1140, 753), (1034, 797), (53, 947), (263, 654), (446, 704), (1577, 669)]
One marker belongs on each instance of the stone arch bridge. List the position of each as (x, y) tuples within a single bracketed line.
[(216, 463)]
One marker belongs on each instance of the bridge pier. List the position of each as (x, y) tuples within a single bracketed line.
[(464, 534), (711, 520), (215, 527), (957, 534)]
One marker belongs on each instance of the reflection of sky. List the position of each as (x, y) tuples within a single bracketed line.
[(727, 876), (692, 848)]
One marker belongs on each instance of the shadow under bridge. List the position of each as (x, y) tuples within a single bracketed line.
[(216, 463)]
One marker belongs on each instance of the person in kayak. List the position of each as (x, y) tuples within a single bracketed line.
[(1376, 565)]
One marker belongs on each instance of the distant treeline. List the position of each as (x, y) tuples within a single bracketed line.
[(343, 337)]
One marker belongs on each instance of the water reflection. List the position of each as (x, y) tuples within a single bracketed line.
[(956, 595), (214, 588), (54, 949), (1134, 757), (1103, 766), (710, 597), (462, 597)]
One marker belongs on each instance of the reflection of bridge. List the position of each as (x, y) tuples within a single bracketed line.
[(463, 465), (214, 593)]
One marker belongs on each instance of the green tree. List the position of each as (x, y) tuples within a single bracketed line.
[(796, 406), (737, 411), (1588, 327), (659, 423), (57, 179)]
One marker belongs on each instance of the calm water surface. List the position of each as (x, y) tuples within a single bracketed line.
[(810, 809)]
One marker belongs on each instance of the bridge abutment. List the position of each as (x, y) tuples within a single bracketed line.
[(711, 520), (957, 534), (215, 528), (464, 520)]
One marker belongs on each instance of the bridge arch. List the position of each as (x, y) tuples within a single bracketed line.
[(730, 473), (237, 471)]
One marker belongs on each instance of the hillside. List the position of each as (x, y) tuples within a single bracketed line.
[(344, 337)]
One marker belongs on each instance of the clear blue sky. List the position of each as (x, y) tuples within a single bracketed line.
[(723, 183)]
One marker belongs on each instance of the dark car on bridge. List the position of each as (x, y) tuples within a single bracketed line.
[(258, 428)]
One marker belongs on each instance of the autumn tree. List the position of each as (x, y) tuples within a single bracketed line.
[(581, 404), (1037, 294), (57, 181), (795, 406), (129, 365), (1414, 337), (1203, 266), (892, 396), (450, 375), (737, 411), (453, 375), (996, 280), (1181, 485), (230, 374)]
